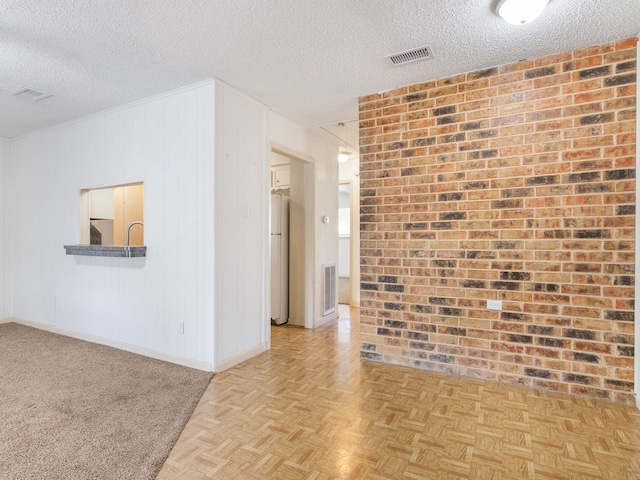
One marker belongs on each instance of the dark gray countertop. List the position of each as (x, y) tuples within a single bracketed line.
[(106, 251)]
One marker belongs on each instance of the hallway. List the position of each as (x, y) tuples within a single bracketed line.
[(311, 409)]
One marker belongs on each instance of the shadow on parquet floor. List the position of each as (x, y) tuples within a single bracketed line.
[(311, 409)]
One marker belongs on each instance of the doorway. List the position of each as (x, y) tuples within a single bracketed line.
[(347, 134), (292, 177), (344, 243)]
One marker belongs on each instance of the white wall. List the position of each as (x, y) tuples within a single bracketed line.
[(202, 153), (324, 156), (242, 228), (166, 142), (6, 259), (301, 243)]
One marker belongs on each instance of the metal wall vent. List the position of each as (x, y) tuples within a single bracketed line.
[(422, 53), (31, 95), (329, 289)]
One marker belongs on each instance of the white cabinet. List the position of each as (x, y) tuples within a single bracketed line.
[(280, 176), (101, 203)]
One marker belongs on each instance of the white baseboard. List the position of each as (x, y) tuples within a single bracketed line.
[(147, 352), (237, 358)]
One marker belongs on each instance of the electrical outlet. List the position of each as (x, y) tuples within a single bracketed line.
[(181, 327), (494, 304)]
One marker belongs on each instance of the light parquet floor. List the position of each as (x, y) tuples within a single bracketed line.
[(311, 409)]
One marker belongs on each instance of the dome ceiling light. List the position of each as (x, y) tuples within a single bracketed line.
[(519, 12)]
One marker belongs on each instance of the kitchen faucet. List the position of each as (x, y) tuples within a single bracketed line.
[(127, 248)]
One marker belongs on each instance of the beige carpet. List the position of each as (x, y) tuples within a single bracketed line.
[(71, 409)]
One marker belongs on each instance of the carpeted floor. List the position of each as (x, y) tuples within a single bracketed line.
[(71, 409)]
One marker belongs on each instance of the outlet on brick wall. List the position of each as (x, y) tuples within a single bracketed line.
[(494, 304)]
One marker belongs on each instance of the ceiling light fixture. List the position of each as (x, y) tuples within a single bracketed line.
[(344, 154), (519, 12)]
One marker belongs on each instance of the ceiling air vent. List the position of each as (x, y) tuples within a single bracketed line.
[(422, 53), (31, 95)]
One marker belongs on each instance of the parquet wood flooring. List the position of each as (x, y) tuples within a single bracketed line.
[(311, 409)]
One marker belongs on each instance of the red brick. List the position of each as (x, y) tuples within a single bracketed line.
[(628, 43), (594, 50)]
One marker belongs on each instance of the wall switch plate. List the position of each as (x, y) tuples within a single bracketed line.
[(180, 327), (494, 304)]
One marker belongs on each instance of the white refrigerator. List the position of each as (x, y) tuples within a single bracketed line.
[(279, 259)]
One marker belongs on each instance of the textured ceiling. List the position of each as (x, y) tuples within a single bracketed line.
[(308, 61)]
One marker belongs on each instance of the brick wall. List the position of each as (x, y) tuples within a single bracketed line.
[(514, 183)]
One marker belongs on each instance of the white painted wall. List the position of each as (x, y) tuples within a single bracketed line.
[(6, 259), (324, 155), (166, 142), (242, 228), (202, 153), (301, 244)]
